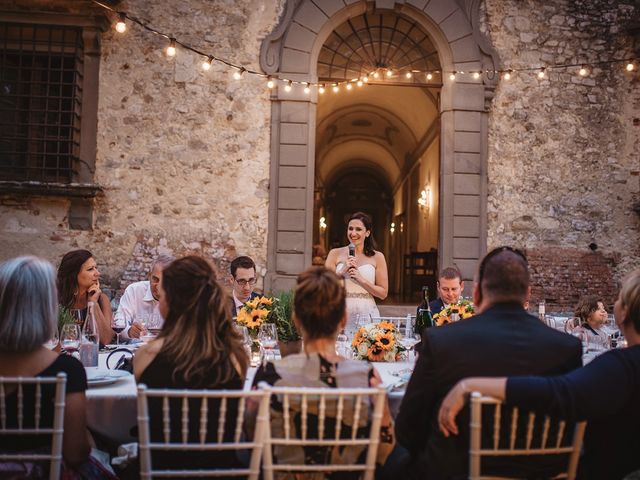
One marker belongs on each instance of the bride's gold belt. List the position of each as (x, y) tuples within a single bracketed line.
[(358, 295)]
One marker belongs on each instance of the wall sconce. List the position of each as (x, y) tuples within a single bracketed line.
[(323, 224), (424, 200), (392, 228)]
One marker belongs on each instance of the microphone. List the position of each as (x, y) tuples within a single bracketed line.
[(352, 250)]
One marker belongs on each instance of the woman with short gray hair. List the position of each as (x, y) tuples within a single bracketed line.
[(28, 318)]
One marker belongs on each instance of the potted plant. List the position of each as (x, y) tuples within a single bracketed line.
[(288, 338)]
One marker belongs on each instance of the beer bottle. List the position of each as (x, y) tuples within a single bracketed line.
[(424, 319)]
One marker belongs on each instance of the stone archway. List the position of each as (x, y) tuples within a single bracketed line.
[(292, 51)]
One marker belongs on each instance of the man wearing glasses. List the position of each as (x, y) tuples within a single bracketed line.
[(243, 271)]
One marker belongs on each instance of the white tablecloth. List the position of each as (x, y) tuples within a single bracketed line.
[(111, 409)]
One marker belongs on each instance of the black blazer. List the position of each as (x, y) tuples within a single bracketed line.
[(234, 312), (505, 340), (436, 305)]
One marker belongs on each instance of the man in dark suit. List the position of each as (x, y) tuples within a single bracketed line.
[(243, 271), (449, 286), (502, 339)]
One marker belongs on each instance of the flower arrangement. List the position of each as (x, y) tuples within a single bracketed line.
[(255, 312), (464, 309), (376, 342)]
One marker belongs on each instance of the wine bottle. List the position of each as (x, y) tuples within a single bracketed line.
[(90, 339), (424, 319)]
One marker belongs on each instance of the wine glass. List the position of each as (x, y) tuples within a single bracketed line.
[(53, 341), (246, 339), (118, 324), (79, 315), (408, 339), (70, 338), (268, 339)]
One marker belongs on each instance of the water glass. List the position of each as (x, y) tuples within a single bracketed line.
[(247, 341), (268, 339), (53, 341)]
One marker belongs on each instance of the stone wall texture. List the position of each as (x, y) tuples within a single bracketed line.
[(564, 162), (183, 154)]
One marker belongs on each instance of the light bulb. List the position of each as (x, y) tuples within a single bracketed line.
[(321, 89), (630, 67), (349, 86), (171, 49), (541, 73), (584, 71), (429, 76), (389, 72), (452, 76), (408, 75), (507, 75), (121, 26), (270, 83), (476, 75), (376, 74), (306, 88), (359, 83), (336, 89), (287, 87), (365, 79), (238, 73), (206, 65)]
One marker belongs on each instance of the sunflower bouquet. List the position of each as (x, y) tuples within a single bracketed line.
[(255, 312), (377, 342), (464, 309)]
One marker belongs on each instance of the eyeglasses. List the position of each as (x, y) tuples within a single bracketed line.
[(243, 283), (493, 253)]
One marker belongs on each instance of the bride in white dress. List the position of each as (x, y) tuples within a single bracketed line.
[(365, 272)]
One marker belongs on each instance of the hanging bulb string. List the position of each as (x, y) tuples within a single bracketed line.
[(379, 74)]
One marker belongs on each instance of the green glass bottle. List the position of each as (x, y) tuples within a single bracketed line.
[(424, 319)]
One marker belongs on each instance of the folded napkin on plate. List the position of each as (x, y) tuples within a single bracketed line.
[(127, 453)]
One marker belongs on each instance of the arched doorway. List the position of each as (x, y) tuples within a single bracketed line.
[(293, 52)]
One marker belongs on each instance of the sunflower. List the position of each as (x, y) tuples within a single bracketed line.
[(385, 341), (386, 326), (375, 354), (266, 301), (358, 338), (251, 304)]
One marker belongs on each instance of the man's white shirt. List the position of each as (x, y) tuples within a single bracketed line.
[(137, 302)]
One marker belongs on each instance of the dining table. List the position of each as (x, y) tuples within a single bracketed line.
[(112, 408)]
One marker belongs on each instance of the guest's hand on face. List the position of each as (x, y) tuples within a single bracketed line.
[(94, 292), (135, 330)]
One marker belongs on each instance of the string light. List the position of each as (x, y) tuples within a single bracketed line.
[(206, 65), (171, 49), (238, 73), (306, 88), (630, 67), (321, 89), (408, 74), (541, 73), (376, 74), (584, 71), (429, 76), (453, 75), (507, 75), (476, 75), (359, 83), (365, 79), (389, 72), (121, 26), (287, 87), (349, 86), (336, 89), (270, 83)]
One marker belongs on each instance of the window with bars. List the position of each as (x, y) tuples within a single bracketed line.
[(41, 93)]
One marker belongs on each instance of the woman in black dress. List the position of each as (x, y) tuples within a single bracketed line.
[(197, 348), (606, 393)]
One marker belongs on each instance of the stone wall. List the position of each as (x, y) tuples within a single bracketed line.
[(183, 154), (564, 166)]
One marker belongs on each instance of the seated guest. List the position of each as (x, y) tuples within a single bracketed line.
[(450, 286), (29, 318), (79, 284), (592, 315), (243, 271), (141, 299), (197, 348), (319, 313), (606, 393), (501, 337)]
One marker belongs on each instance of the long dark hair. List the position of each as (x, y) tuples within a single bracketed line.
[(369, 243), (198, 332), (67, 279)]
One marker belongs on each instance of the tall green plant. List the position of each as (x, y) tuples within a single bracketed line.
[(64, 317), (282, 317)]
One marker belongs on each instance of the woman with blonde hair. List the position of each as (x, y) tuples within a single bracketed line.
[(197, 348), (606, 393)]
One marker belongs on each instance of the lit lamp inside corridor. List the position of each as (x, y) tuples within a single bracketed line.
[(424, 200)]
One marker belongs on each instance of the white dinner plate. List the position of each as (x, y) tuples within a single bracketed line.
[(101, 377)]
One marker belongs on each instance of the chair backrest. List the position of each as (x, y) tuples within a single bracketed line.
[(29, 394), (550, 444), (348, 418), (228, 436)]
